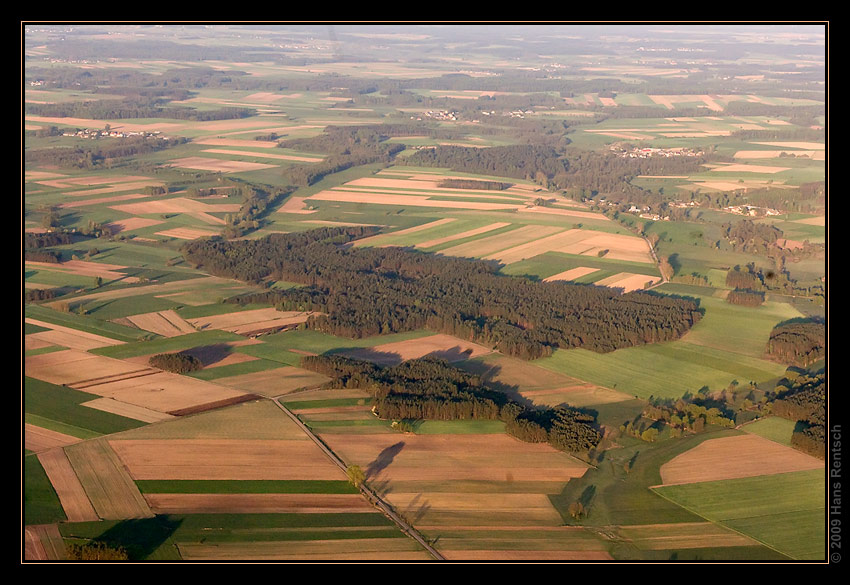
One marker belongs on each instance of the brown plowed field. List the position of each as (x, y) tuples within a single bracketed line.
[(257, 503), (225, 459), (735, 457)]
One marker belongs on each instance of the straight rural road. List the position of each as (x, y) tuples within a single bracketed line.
[(372, 496)]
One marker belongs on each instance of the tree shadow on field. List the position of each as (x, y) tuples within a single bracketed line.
[(383, 460), (488, 373), (416, 509), (381, 358), (139, 537), (209, 354)]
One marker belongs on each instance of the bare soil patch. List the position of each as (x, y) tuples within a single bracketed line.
[(735, 457), (225, 459)]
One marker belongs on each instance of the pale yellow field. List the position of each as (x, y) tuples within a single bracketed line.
[(800, 145), (750, 169), (371, 241), (243, 322), (539, 246), (225, 459), (237, 143), (112, 492), (682, 535), (759, 154), (265, 155), (89, 340), (734, 457), (466, 234), (87, 202), (67, 485), (218, 165), (43, 542), (319, 551), (628, 281), (275, 382), (165, 323), (132, 223), (442, 346), (83, 268), (820, 220), (404, 200), (491, 244), (571, 274), (190, 233), (494, 458), (127, 410), (295, 205), (38, 439)]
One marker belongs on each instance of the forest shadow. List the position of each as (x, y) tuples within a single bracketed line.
[(454, 354), (368, 354), (383, 460), (209, 354), (140, 537), (488, 374)]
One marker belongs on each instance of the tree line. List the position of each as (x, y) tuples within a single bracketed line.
[(430, 388), (101, 153), (363, 292), (804, 400), (797, 343)]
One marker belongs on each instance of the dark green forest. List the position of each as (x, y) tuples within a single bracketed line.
[(373, 291)]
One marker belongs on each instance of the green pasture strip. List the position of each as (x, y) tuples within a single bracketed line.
[(108, 309), (269, 352), (40, 503), (249, 367), (460, 427), (196, 312), (551, 263), (784, 511), (736, 328), (32, 328), (330, 402), (168, 344), (662, 370), (774, 428), (60, 427), (45, 402), (494, 232), (85, 323), (317, 342), (259, 486), (50, 349)]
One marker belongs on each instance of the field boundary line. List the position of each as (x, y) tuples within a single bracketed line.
[(724, 525), (371, 496)]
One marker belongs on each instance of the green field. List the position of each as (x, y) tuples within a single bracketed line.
[(40, 502), (774, 428), (786, 512), (60, 409), (667, 370)]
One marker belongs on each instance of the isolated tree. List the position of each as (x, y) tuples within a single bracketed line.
[(355, 475)]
